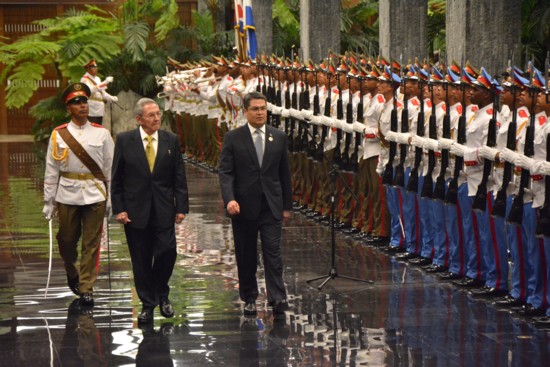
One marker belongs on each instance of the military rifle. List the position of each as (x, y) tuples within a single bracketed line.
[(480, 199), (354, 159), (412, 186), (324, 129), (312, 146), (499, 207), (336, 155), (439, 189), (452, 190), (427, 188), (348, 136), (399, 178), (387, 176)]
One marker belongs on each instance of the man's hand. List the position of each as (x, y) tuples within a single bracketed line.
[(49, 209), (233, 208), (287, 214), (122, 218), (179, 218), (108, 80)]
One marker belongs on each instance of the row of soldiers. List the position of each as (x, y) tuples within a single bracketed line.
[(444, 167)]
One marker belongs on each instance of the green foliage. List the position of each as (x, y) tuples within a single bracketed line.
[(49, 113), (436, 25), (286, 25), (359, 27), (535, 32)]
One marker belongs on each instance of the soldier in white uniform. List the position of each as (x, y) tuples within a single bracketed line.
[(78, 193), (98, 90)]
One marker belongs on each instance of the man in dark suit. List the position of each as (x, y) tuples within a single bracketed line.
[(149, 195), (255, 183)]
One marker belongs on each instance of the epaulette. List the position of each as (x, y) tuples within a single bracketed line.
[(444, 107), (490, 111), (542, 120), (97, 125), (381, 99), (522, 113), (415, 102), (62, 126), (429, 103), (459, 109)]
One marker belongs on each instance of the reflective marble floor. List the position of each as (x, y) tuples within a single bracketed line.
[(404, 318)]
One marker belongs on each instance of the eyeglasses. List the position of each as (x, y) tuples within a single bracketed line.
[(256, 109), (152, 115)]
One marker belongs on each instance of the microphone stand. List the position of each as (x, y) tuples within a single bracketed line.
[(334, 175)]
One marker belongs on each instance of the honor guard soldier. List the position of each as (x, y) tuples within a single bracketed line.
[(76, 183), (98, 90)]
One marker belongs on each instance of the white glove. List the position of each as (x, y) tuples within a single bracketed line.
[(285, 113), (380, 170), (445, 143), (48, 210), (276, 110), (316, 120), (294, 113), (358, 127), (108, 208), (307, 114), (457, 150), (431, 144), (335, 123), (114, 99), (326, 120), (487, 152), (524, 162), (391, 136), (108, 80), (269, 106), (540, 168), (402, 138), (348, 128), (417, 141), (508, 155)]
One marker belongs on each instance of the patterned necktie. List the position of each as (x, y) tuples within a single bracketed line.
[(150, 152), (258, 144)]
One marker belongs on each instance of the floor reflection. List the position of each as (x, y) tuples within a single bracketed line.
[(405, 318)]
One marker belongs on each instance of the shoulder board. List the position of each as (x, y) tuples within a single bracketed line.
[(429, 103), (459, 109), (415, 102), (97, 125), (490, 111), (542, 120), (444, 107), (335, 90), (475, 108), (381, 99), (522, 113), (62, 126)]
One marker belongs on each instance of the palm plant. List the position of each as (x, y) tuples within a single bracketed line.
[(359, 27)]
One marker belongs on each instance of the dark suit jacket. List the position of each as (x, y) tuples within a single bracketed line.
[(242, 179), (135, 189)]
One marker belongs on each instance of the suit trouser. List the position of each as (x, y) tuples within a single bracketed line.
[(453, 224), (153, 253), (245, 235), (411, 219), (85, 220), (426, 222), (376, 216)]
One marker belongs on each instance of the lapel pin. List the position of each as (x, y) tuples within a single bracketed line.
[(169, 152), (270, 138)]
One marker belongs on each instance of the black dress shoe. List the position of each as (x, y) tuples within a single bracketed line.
[(487, 292), (449, 276), (145, 316), (542, 322), (166, 309), (508, 302), (87, 299), (394, 250), (420, 261), (250, 309), (531, 311), (313, 214), (341, 225), (467, 282), (406, 256), (279, 307), (73, 284), (351, 231), (436, 268)]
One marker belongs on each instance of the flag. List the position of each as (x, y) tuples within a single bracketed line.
[(239, 26), (250, 30)]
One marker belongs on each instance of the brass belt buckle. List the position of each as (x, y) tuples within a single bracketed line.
[(82, 176)]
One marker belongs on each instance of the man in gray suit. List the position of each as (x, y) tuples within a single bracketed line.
[(149, 195), (256, 189)]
